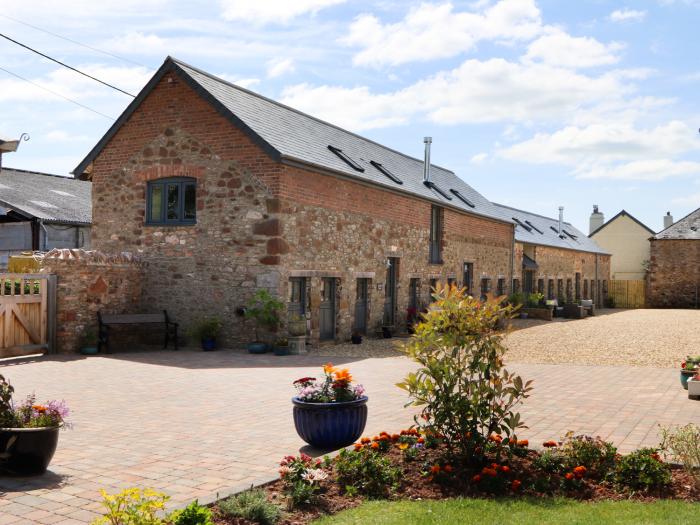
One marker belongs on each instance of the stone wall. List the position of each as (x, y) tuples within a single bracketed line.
[(560, 264), (260, 222), (674, 274), (88, 282)]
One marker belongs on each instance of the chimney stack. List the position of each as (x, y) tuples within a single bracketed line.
[(426, 162), (668, 220), (596, 221), (561, 218)]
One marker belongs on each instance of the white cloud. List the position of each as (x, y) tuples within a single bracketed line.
[(272, 11), (557, 48), (479, 158), (627, 15), (689, 200), (644, 170), (432, 31), (279, 66)]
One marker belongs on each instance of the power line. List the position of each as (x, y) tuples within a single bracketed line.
[(55, 93), (65, 65), (74, 41)]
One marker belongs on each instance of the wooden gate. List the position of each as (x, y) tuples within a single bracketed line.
[(628, 294), (27, 314)]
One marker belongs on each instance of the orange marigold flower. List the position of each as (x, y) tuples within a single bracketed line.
[(343, 375), (421, 440), (435, 469), (523, 443), (365, 440), (39, 408), (505, 469), (375, 438), (395, 437), (328, 368), (358, 446), (491, 472), (448, 468), (515, 485), (495, 438), (580, 470), (549, 444), (375, 445), (494, 465), (477, 478), (569, 476)]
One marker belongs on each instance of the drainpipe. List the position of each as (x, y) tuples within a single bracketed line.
[(426, 164)]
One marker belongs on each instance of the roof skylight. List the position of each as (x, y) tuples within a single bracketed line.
[(385, 171), (343, 156), (462, 198), (534, 227), (521, 223), (430, 184)]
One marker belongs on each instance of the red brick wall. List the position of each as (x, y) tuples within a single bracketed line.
[(259, 221), (674, 274)]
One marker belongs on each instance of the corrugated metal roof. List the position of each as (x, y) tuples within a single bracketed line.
[(531, 228), (303, 138), (51, 198), (686, 228)]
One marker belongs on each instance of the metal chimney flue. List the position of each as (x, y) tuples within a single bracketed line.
[(426, 163), (561, 219)]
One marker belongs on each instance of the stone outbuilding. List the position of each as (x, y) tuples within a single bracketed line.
[(674, 272), (222, 191), (554, 258)]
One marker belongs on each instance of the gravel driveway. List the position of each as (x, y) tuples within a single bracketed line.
[(652, 338)]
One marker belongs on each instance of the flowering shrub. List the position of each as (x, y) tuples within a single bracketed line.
[(643, 469), (683, 445), (367, 472), (596, 455), (29, 414), (465, 393), (301, 477), (132, 505), (335, 387)]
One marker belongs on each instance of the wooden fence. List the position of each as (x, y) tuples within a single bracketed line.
[(628, 294), (27, 314)]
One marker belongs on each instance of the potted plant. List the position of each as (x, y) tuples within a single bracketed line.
[(206, 331), (88, 342), (282, 346), (296, 325), (356, 338), (28, 432), (331, 412), (688, 369), (694, 386), (264, 310)]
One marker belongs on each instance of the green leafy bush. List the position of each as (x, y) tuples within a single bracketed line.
[(193, 514), (264, 309), (366, 472), (643, 469), (683, 445), (251, 505), (550, 461), (466, 394), (205, 328), (596, 455), (132, 506)]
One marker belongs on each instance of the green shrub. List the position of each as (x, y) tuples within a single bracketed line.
[(643, 469), (193, 514), (596, 455), (132, 506), (265, 310), (366, 472), (301, 477), (466, 394), (550, 461), (251, 505), (683, 445)]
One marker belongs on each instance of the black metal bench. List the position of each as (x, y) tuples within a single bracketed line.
[(106, 320)]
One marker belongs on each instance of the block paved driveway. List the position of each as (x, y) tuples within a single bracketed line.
[(197, 424)]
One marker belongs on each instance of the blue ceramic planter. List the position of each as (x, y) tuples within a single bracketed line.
[(330, 426), (208, 344), (685, 375), (257, 348)]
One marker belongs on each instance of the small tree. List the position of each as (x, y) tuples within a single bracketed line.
[(466, 394), (264, 309)]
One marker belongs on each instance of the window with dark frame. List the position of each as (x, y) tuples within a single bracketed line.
[(569, 291), (344, 157), (550, 289), (578, 286), (560, 290), (436, 233), (540, 286), (585, 288), (516, 285), (380, 167), (501, 286), (468, 278), (463, 198), (485, 287), (171, 201)]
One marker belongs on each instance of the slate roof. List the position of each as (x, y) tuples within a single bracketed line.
[(293, 137), (686, 228), (51, 198), (537, 229), (622, 213)]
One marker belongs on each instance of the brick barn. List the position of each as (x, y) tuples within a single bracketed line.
[(222, 191), (556, 259), (674, 270)]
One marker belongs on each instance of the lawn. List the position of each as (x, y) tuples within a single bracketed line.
[(521, 511)]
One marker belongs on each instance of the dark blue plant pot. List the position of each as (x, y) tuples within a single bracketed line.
[(27, 451), (209, 344), (685, 375), (257, 348), (330, 426)]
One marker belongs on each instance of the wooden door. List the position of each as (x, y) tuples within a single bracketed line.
[(361, 298), (390, 291), (24, 314), (327, 309)]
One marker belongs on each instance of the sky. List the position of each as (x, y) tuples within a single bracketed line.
[(535, 104)]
